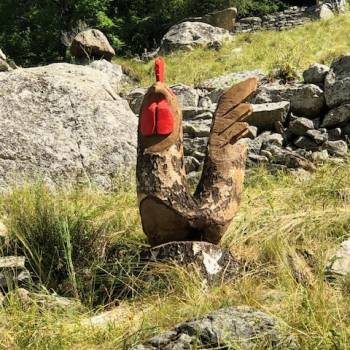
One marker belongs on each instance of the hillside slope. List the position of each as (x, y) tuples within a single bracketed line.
[(291, 50)]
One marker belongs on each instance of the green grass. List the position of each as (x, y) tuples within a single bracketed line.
[(296, 49), (280, 216)]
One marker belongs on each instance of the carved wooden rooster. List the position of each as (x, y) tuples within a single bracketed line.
[(169, 211)]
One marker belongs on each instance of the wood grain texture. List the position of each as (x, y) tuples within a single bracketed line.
[(169, 211)]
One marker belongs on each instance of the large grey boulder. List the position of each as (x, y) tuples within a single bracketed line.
[(266, 115), (63, 123), (337, 82), (188, 35), (225, 19), (91, 43), (338, 116), (306, 100), (316, 73), (215, 87), (228, 328)]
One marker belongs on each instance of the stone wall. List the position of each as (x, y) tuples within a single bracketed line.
[(291, 17)]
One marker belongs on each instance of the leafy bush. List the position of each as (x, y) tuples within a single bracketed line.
[(30, 31)]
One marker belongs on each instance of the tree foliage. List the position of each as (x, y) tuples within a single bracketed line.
[(31, 30)]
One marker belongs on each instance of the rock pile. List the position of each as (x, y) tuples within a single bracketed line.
[(294, 125)]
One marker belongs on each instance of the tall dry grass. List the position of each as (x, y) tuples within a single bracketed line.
[(281, 217)]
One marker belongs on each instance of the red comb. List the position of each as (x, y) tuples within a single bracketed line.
[(159, 68)]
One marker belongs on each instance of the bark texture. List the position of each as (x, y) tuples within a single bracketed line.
[(169, 211)]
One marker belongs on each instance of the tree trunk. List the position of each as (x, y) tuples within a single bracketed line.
[(169, 211)]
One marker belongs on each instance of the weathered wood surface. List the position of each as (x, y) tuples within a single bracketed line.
[(169, 211)]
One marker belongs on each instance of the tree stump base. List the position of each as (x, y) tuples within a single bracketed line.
[(212, 262)]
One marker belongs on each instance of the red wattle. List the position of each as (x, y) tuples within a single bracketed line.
[(157, 119), (148, 119), (165, 120)]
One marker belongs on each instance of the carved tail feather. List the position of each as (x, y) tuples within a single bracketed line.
[(219, 190)]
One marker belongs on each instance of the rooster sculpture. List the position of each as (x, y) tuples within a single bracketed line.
[(169, 211)]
